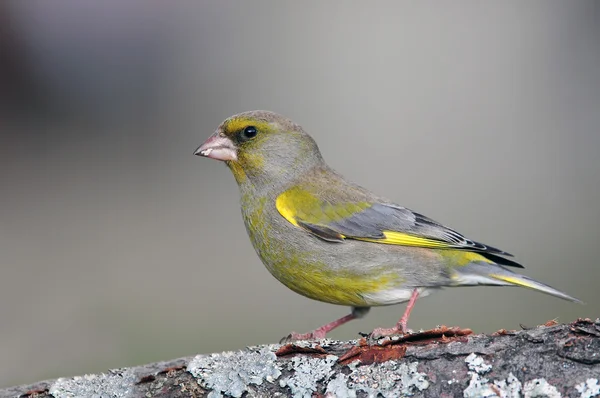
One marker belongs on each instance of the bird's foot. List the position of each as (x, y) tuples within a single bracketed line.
[(314, 335), (320, 333), (400, 327), (383, 332)]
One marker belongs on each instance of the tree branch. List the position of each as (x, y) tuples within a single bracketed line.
[(546, 361)]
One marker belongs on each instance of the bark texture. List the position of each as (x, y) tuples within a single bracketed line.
[(547, 361)]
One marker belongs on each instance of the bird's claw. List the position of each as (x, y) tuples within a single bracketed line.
[(385, 332), (314, 335)]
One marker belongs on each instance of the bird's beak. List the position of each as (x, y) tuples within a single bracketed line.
[(217, 147)]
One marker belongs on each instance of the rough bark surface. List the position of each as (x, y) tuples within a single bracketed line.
[(546, 361)]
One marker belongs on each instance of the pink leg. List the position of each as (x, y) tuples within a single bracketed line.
[(400, 327), (411, 303), (357, 312)]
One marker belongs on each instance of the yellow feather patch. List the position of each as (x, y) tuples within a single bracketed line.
[(457, 257), (402, 239), (298, 204), (238, 171), (461, 258), (514, 281), (285, 207), (336, 287), (232, 126)]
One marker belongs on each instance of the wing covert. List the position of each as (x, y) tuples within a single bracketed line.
[(377, 222)]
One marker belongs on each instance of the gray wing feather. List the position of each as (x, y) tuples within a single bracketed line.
[(371, 222)]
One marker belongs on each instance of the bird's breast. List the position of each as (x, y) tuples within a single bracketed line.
[(324, 271)]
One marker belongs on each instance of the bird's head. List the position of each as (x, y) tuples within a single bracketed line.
[(261, 147)]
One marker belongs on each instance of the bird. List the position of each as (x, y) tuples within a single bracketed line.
[(334, 241)]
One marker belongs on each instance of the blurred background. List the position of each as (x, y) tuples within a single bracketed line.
[(116, 242)]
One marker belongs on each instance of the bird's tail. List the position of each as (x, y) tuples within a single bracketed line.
[(480, 273)]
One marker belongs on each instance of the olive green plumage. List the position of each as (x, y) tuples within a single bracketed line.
[(334, 241)]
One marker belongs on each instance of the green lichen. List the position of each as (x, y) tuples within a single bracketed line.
[(307, 372), (388, 379), (338, 387), (540, 388), (117, 384), (232, 373), (588, 388)]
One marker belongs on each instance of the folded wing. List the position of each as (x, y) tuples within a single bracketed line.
[(336, 220)]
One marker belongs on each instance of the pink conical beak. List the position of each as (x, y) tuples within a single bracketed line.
[(217, 147)]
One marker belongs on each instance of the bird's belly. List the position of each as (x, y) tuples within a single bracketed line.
[(352, 273), (343, 287), (333, 275), (394, 296)]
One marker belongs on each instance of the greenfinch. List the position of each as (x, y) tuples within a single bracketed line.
[(333, 241)]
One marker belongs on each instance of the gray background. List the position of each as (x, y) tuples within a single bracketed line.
[(118, 247)]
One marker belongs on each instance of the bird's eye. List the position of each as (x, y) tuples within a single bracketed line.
[(249, 133)]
